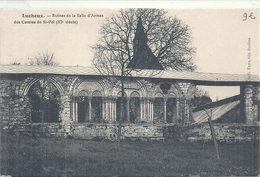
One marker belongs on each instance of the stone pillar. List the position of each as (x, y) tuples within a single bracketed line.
[(103, 109), (147, 113), (152, 100), (113, 118), (127, 109), (178, 111), (89, 108), (256, 103), (65, 111), (188, 111), (71, 109), (185, 112), (106, 113), (141, 109), (110, 108), (148, 109), (76, 111), (111, 105), (248, 104), (182, 111), (144, 110), (164, 109), (184, 101), (115, 108)]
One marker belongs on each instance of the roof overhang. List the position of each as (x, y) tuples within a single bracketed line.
[(198, 77)]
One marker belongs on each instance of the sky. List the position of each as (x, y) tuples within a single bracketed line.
[(223, 37)]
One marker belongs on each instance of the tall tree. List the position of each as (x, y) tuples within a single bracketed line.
[(166, 38)]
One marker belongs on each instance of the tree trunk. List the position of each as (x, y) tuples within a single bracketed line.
[(121, 112)]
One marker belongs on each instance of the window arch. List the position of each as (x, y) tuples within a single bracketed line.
[(96, 106), (158, 110), (83, 93), (171, 110), (118, 107), (83, 107), (45, 100), (134, 107)]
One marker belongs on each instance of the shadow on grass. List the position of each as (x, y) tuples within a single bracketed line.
[(29, 156)]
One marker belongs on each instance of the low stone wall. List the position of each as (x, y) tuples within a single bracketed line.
[(226, 133), (109, 131), (90, 131)]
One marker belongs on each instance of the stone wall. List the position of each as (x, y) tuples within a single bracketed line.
[(15, 106), (130, 132), (89, 131), (109, 131), (15, 112), (227, 133), (14, 109)]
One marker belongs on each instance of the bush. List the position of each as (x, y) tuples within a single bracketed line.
[(174, 132)]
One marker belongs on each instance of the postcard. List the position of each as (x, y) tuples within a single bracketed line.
[(78, 98)]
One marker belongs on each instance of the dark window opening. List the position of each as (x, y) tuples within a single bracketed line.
[(158, 109), (171, 110), (83, 108), (45, 101), (96, 108), (118, 109), (134, 112)]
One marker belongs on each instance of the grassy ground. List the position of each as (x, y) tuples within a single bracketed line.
[(27, 156)]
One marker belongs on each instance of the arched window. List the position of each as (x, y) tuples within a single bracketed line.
[(83, 109), (171, 111), (134, 107), (45, 100), (96, 106), (118, 107), (83, 106), (158, 108)]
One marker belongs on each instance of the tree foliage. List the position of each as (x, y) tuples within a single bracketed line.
[(45, 58), (15, 63), (200, 98), (168, 37)]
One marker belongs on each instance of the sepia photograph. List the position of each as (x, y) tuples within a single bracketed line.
[(129, 90)]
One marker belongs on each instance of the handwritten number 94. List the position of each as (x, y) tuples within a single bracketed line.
[(246, 16)]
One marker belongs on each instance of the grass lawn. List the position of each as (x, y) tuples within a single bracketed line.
[(27, 156)]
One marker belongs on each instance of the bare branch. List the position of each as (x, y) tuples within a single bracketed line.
[(169, 39), (45, 58)]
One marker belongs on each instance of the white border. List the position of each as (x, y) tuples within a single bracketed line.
[(129, 4)]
